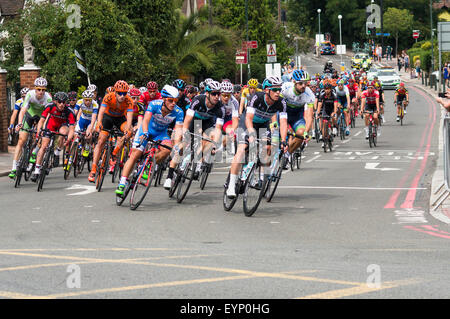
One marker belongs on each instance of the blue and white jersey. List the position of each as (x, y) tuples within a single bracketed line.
[(86, 111), (158, 122), (18, 104)]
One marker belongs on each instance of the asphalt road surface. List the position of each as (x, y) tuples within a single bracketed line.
[(353, 223)]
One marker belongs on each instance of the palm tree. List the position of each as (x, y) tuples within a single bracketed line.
[(196, 43)]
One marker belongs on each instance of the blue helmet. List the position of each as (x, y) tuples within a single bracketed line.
[(300, 75), (179, 84), (169, 91)]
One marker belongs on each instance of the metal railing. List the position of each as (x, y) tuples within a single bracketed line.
[(442, 192)]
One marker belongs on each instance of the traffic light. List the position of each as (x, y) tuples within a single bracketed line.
[(371, 31)]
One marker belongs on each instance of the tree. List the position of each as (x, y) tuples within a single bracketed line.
[(397, 22)]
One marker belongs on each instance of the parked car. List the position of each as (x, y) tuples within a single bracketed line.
[(327, 48), (389, 78)]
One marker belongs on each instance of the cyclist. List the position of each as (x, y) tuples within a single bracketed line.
[(17, 107), (94, 89), (183, 101), (202, 87), (380, 90), (300, 107), (190, 92), (30, 113), (158, 116), (86, 111), (343, 96), (72, 101), (327, 106), (231, 106), (150, 95), (57, 117), (370, 101), (209, 110), (237, 92), (255, 122), (353, 90), (401, 93), (116, 111), (328, 68), (252, 88)]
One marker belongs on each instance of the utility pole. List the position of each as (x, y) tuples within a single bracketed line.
[(248, 50), (382, 33), (432, 46)]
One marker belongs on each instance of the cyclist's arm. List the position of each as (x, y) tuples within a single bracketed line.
[(363, 103), (283, 126), (13, 117), (41, 122), (319, 108), (407, 97), (101, 111), (309, 116), (242, 105), (335, 107), (129, 127), (147, 117), (377, 101)]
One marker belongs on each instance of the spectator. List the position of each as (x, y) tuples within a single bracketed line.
[(417, 65), (379, 53), (389, 53), (406, 62), (445, 104), (399, 62), (446, 74)]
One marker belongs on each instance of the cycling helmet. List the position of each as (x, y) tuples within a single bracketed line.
[(226, 87), (152, 85), (371, 84), (169, 91), (341, 82), (92, 88), (272, 81), (121, 86), (61, 97), (300, 75), (88, 94), (72, 95), (237, 88), (328, 86), (207, 81), (40, 82), (110, 89), (401, 84), (179, 84), (189, 89), (253, 83), (134, 92), (313, 83), (24, 91), (143, 89), (202, 85), (213, 86)]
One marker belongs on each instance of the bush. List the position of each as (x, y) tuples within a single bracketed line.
[(426, 45)]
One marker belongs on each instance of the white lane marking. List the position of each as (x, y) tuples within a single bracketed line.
[(357, 133), (346, 141), (95, 221), (87, 189), (35, 221), (313, 159), (350, 187), (410, 216), (373, 166)]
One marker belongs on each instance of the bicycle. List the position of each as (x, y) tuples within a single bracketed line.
[(24, 161), (327, 136), (372, 130), (144, 173), (341, 124), (316, 127), (249, 184), (105, 155), (352, 115), (47, 163), (401, 113), (296, 156), (84, 155), (121, 160), (276, 170)]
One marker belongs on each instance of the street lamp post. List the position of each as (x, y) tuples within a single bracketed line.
[(340, 36), (318, 11)]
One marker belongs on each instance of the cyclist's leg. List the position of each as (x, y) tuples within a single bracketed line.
[(299, 129)]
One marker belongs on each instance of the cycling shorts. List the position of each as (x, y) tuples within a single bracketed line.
[(297, 122), (154, 135), (262, 130), (29, 120), (82, 125), (109, 122)]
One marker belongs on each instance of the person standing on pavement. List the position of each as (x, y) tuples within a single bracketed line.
[(417, 65), (446, 74), (379, 53), (389, 53), (445, 104), (406, 63), (399, 62)]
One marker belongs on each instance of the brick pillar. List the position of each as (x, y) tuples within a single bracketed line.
[(4, 118), (29, 73)]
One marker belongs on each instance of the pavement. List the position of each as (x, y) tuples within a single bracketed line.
[(6, 161)]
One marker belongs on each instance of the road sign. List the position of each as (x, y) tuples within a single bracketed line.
[(384, 34), (249, 45), (241, 57), (444, 36), (415, 34), (341, 49), (273, 69), (271, 53)]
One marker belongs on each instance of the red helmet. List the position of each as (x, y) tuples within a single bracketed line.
[(121, 86), (152, 85), (401, 84), (371, 84), (135, 92)]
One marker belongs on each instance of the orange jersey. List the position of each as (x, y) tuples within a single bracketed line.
[(113, 108)]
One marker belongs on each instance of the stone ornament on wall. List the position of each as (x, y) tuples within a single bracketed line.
[(28, 50)]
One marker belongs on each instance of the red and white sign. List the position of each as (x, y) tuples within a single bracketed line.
[(249, 45), (416, 34), (241, 57)]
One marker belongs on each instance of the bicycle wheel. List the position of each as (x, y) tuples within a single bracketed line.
[(292, 159), (375, 136), (273, 181), (370, 135), (298, 159), (121, 198), (103, 167), (25, 171), (185, 181), (253, 191), (142, 185), (401, 115), (48, 158), (70, 160), (228, 203), (175, 181), (342, 128), (205, 173)]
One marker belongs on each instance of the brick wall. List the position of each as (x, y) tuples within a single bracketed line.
[(27, 78), (4, 119)]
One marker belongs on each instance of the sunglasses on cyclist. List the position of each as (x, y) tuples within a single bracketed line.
[(122, 93), (41, 90), (275, 89), (226, 95), (215, 93), (172, 100)]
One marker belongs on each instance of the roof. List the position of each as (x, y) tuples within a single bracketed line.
[(11, 7)]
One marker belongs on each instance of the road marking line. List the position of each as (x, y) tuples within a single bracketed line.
[(349, 187), (357, 133), (16, 295), (314, 158)]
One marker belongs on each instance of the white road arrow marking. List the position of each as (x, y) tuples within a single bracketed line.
[(87, 189), (374, 166)]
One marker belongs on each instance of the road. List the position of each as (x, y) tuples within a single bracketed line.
[(353, 223)]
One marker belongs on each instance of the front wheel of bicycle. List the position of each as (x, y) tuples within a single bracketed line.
[(254, 191), (144, 180), (228, 203), (185, 181), (274, 179), (102, 168)]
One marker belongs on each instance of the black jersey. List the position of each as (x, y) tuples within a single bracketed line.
[(262, 112)]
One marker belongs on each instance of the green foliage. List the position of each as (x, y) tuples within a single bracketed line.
[(426, 45)]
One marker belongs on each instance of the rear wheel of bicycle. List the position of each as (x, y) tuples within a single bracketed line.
[(175, 182), (253, 191), (185, 181), (142, 185), (21, 166), (375, 136), (370, 136), (70, 159), (342, 129), (102, 168), (45, 166), (298, 159), (228, 203), (121, 198), (205, 173), (292, 159)]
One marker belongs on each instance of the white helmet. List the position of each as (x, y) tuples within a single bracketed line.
[(88, 94), (272, 81), (24, 91), (92, 88), (169, 91), (143, 89), (40, 82), (213, 86), (208, 80), (226, 87)]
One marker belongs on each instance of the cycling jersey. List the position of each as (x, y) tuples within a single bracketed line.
[(262, 112), (113, 108), (18, 104), (86, 111), (209, 116), (352, 89), (246, 92), (138, 110), (57, 118), (183, 103), (231, 109), (35, 106), (145, 98), (296, 101), (327, 102), (401, 91), (370, 99)]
